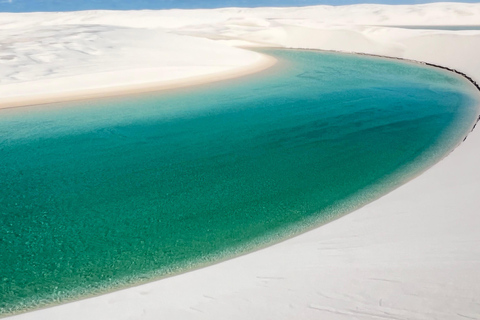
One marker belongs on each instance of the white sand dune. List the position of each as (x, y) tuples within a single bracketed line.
[(413, 254), (58, 62)]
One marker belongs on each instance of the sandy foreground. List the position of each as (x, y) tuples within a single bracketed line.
[(413, 254)]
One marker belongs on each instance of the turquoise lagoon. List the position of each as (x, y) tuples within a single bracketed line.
[(100, 195)]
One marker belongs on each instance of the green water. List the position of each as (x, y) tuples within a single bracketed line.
[(99, 195)]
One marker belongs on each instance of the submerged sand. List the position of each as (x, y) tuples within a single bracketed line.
[(413, 254)]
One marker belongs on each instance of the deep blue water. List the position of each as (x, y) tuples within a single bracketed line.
[(100, 194), (73, 5)]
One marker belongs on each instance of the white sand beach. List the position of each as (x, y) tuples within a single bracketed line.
[(413, 254)]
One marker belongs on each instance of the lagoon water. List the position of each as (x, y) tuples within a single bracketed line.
[(99, 195)]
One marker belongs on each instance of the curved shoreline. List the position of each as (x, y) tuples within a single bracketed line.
[(322, 222), (280, 242), (462, 74), (264, 63), (453, 70)]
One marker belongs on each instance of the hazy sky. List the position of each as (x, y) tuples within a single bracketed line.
[(68, 5)]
